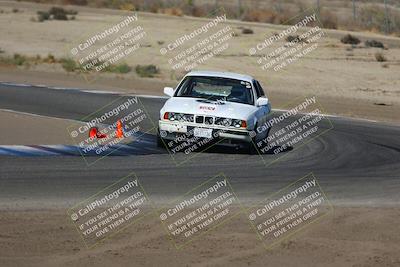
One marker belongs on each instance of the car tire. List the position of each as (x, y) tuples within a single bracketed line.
[(160, 142), (250, 149)]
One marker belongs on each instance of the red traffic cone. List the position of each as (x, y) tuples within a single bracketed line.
[(94, 133), (119, 133)]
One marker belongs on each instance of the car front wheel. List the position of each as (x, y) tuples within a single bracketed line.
[(251, 146), (160, 142)]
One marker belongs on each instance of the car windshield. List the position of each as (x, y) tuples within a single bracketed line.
[(216, 89)]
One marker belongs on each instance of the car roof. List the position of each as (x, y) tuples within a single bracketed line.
[(222, 74)]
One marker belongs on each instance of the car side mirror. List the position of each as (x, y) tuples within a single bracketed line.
[(169, 91), (262, 101)]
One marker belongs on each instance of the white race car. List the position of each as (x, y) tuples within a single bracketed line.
[(224, 106)]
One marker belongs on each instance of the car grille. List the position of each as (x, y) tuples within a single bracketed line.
[(209, 120), (199, 119), (205, 120)]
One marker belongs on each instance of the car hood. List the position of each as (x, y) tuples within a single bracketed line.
[(200, 106)]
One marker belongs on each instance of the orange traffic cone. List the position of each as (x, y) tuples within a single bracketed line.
[(94, 132), (119, 133)]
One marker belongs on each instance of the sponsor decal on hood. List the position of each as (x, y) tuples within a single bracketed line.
[(209, 108)]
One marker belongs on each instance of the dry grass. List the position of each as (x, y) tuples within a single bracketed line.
[(171, 11), (67, 64), (333, 14), (147, 70)]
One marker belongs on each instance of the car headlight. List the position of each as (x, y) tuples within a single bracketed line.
[(231, 122), (227, 122), (188, 117), (237, 123), (223, 121), (172, 116)]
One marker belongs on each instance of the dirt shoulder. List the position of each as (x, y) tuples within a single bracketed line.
[(349, 236)]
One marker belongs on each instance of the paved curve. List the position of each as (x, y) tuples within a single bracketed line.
[(357, 162)]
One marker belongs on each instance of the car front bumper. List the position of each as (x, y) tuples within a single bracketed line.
[(170, 131)]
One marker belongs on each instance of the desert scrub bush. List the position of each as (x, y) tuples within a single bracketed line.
[(294, 39), (19, 59), (291, 38), (120, 68), (198, 11), (43, 15), (106, 67), (350, 39), (50, 59), (380, 57), (16, 60), (174, 11), (75, 2), (374, 43), (71, 12), (267, 16), (280, 16), (146, 70), (57, 13), (127, 7), (69, 64), (247, 31)]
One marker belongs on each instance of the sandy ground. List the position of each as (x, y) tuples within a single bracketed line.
[(348, 236), (349, 80), (26, 129)]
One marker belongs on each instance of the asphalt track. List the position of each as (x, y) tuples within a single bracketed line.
[(357, 162)]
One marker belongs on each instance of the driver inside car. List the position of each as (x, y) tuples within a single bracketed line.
[(238, 94)]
